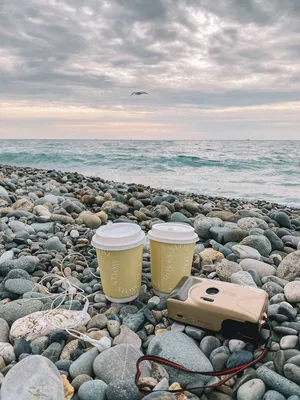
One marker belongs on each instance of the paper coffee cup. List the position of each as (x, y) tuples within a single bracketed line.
[(119, 249), (172, 248)]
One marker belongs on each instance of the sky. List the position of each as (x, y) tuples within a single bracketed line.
[(213, 70)]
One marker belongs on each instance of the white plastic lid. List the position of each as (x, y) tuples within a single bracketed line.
[(120, 236), (173, 232)]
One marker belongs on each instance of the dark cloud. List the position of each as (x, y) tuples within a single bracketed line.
[(243, 12), (144, 10), (199, 52)]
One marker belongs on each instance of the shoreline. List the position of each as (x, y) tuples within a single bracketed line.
[(255, 203), (234, 171)]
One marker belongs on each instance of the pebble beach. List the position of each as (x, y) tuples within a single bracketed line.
[(48, 215)]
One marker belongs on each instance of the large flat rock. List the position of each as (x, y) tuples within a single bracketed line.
[(179, 348)]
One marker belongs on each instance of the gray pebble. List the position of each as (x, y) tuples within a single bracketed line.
[(289, 353), (16, 309), (159, 372), (53, 352), (80, 380), (272, 288), (17, 273), (149, 329), (122, 390), (293, 325), (226, 268), (219, 361), (263, 269), (177, 327), (259, 242), (239, 358), (208, 344), (92, 390), (278, 298), (160, 396), (276, 242), (27, 263), (19, 285), (292, 292), (286, 309), (245, 252), (34, 374), (7, 353), (197, 382), (243, 278), (236, 345), (279, 318), (74, 234), (63, 365), (277, 382), (41, 343), (279, 361), (128, 309), (149, 316), (134, 321), (274, 279), (255, 277), (218, 396), (55, 244), (100, 298), (292, 372), (84, 364), (294, 360), (289, 342), (4, 330), (154, 300), (119, 362), (21, 346), (269, 364), (6, 256), (113, 328), (249, 374), (221, 349), (283, 219), (213, 380), (195, 333), (254, 389), (99, 321), (273, 395), (126, 336)]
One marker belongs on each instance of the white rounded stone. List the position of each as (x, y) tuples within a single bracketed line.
[(289, 342), (236, 345), (292, 292), (252, 390)]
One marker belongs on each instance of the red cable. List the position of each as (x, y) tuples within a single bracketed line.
[(232, 371)]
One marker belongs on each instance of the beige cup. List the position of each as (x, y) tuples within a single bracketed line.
[(172, 247), (119, 249)]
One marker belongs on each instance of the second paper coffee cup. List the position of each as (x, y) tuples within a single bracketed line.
[(172, 247), (119, 249)]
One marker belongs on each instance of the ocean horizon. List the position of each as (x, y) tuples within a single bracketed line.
[(246, 169), (147, 140)]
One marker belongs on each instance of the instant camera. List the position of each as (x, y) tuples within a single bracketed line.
[(235, 311)]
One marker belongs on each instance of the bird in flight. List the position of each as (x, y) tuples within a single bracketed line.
[(138, 93)]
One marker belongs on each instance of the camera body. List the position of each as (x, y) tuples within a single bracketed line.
[(235, 311)]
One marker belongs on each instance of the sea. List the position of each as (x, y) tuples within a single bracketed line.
[(251, 170)]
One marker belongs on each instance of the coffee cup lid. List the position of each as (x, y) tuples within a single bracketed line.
[(173, 232), (121, 236)]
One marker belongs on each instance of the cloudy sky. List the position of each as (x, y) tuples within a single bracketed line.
[(213, 69)]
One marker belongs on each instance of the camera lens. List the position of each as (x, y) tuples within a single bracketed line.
[(212, 290)]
